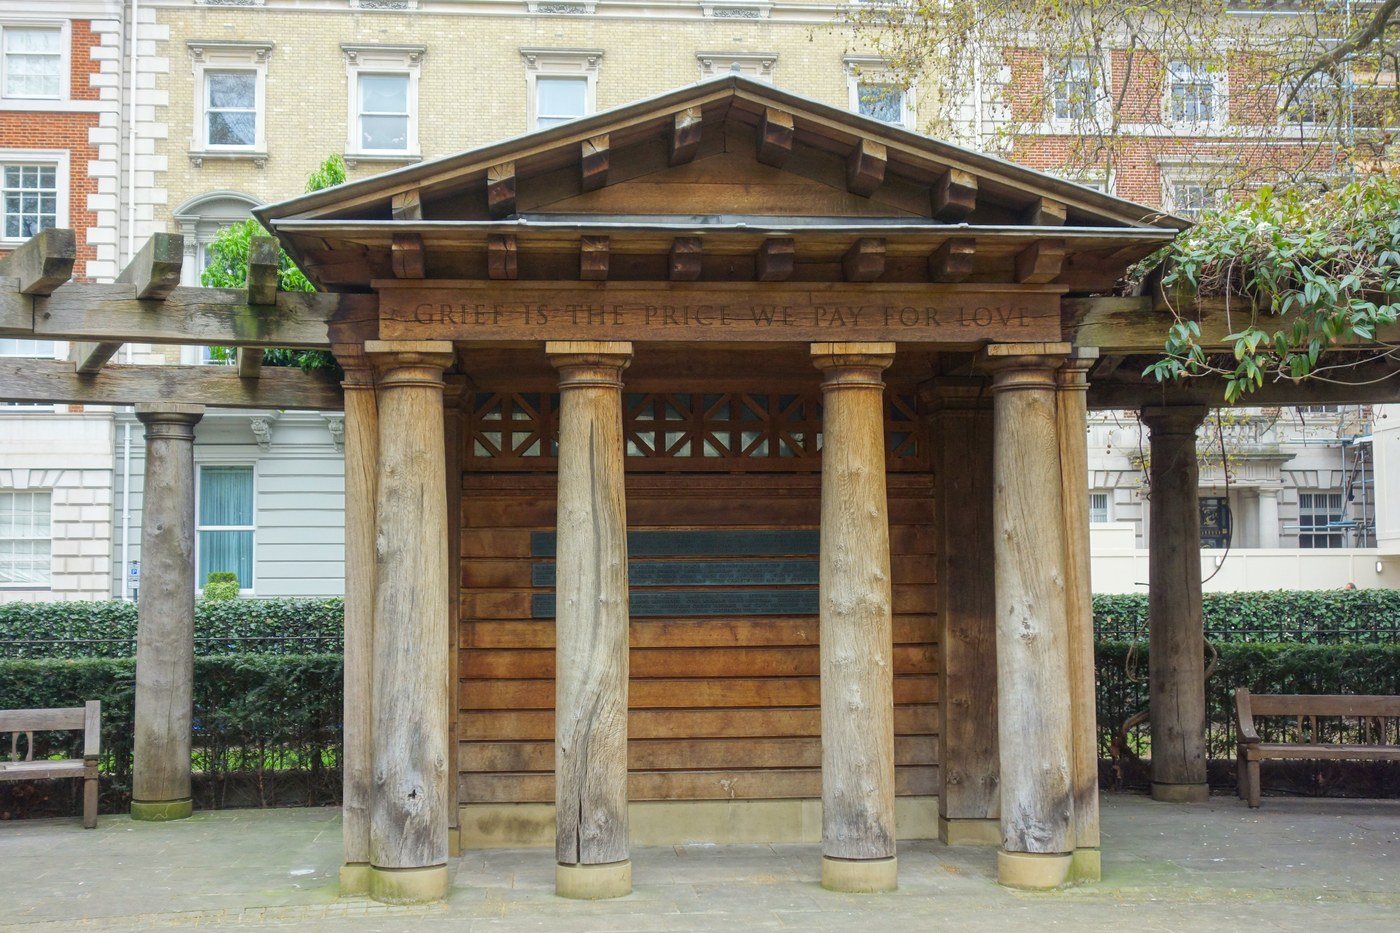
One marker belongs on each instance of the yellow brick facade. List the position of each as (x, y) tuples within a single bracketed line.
[(472, 78)]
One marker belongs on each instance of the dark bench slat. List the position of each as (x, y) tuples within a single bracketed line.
[(38, 770), (1326, 751), (88, 719)]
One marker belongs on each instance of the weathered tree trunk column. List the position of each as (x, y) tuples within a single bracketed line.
[(969, 799), (1073, 381), (856, 635), (591, 625), (1176, 639), (1033, 687), (412, 769), (160, 778), (361, 466)]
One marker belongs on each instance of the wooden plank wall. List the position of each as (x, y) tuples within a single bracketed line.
[(720, 707)]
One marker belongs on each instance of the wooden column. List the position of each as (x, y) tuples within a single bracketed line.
[(1073, 382), (455, 394), (160, 779), (412, 771), (361, 466), (857, 683), (591, 625), (1033, 690), (969, 798), (1176, 639)]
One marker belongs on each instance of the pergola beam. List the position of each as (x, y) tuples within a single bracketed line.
[(54, 381), (43, 262)]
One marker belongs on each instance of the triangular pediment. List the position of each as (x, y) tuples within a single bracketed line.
[(719, 161)]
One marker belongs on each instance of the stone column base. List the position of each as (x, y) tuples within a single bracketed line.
[(354, 879), (593, 882), (408, 885), (161, 811), (1032, 869), (1180, 793), (860, 876), (969, 832), (1085, 865)]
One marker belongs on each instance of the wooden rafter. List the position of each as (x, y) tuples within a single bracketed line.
[(774, 137), (776, 259), (407, 205), (954, 195), (686, 253), (43, 262), (501, 258), (500, 190), (865, 260), (593, 258), (155, 273), (1040, 262), (685, 135), (264, 259), (865, 168), (1045, 213), (407, 252), (952, 262), (594, 159)]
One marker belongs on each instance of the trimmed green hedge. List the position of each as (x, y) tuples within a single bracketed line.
[(1313, 616), (277, 718), (107, 629)]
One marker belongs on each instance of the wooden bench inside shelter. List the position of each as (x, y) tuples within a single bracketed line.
[(87, 718), (1353, 728)]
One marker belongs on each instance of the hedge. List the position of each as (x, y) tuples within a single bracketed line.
[(1312, 616), (273, 717), (107, 629)]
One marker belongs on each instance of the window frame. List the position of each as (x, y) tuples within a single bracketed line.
[(1215, 80), (1106, 511), (47, 583), (869, 70), (65, 56), (560, 63), (226, 57), (756, 65), (58, 159), (199, 527), (398, 60), (1057, 78), (1336, 538), (1203, 174)]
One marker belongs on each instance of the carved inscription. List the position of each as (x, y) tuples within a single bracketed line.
[(928, 316)]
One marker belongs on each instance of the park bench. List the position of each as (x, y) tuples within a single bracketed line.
[(1374, 716), (87, 718)]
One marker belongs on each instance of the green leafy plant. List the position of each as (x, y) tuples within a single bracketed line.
[(1300, 273), (221, 584)]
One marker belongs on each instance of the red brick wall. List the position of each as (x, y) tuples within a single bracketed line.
[(84, 67)]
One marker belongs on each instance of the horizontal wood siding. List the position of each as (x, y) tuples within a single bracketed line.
[(720, 706)]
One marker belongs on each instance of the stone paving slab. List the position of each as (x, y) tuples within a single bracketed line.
[(1294, 865)]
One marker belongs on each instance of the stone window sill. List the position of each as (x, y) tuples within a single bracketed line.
[(380, 158), (199, 156)]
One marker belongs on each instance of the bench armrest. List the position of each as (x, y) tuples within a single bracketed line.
[(1244, 718), (92, 730)]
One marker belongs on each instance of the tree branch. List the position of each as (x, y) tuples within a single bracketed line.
[(1358, 40)]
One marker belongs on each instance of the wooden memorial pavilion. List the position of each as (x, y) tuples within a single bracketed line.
[(715, 470)]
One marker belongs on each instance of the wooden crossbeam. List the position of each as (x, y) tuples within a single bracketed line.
[(406, 253), (954, 195), (865, 168), (593, 258), (43, 262), (501, 257), (865, 260), (952, 262), (594, 158), (686, 252), (1040, 262), (774, 137), (1370, 383), (500, 190), (407, 205), (264, 255), (155, 272), (54, 381), (1045, 213), (776, 259), (685, 135)]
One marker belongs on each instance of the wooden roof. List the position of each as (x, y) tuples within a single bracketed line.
[(733, 180)]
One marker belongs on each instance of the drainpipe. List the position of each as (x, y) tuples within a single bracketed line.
[(126, 513), (131, 136)]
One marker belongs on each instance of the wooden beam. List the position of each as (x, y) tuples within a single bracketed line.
[(43, 262), (952, 262), (500, 190), (250, 360), (91, 357), (593, 258), (593, 157), (776, 258), (155, 269), (407, 205), (774, 137), (1040, 262), (1045, 213), (406, 251), (685, 135), (501, 257), (865, 168), (54, 381), (195, 316), (954, 195), (264, 255), (1371, 383), (686, 252), (865, 260)]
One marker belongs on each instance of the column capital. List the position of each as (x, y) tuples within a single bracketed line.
[(1073, 374), (1268, 492), (589, 362), (1173, 419), (852, 364), (358, 367), (168, 413), (1023, 365), (409, 362)]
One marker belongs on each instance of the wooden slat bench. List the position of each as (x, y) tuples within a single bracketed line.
[(88, 718), (1373, 713)]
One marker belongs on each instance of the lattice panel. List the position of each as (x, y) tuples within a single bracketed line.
[(681, 431)]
